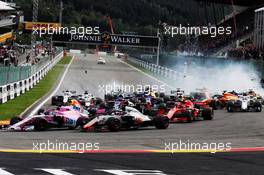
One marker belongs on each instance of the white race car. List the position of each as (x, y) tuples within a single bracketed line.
[(130, 118), (86, 98), (245, 103), (60, 100), (101, 60)]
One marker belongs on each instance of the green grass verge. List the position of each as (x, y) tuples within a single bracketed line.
[(18, 105)]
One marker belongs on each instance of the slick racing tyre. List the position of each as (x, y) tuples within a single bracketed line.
[(15, 120), (40, 124), (54, 100), (113, 124), (161, 122), (41, 111), (57, 100), (82, 121), (213, 104), (189, 116), (207, 114), (258, 106), (230, 107)]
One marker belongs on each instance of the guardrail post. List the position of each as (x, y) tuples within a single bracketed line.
[(27, 84), (3, 94), (22, 87), (17, 89), (12, 91), (35, 79)]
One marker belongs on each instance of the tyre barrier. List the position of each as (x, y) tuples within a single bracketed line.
[(15, 89)]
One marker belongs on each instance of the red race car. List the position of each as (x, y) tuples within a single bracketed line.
[(185, 111)]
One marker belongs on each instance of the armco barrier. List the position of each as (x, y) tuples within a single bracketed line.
[(158, 70), (15, 89)]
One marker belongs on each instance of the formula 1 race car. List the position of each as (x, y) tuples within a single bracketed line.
[(222, 100), (85, 99), (252, 93), (60, 100), (185, 111), (203, 98), (101, 60), (244, 103), (131, 118), (62, 117)]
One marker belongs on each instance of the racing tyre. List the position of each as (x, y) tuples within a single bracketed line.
[(41, 111), (161, 122), (82, 121), (213, 104), (15, 120), (113, 124), (40, 124), (54, 100), (207, 114), (229, 107), (189, 116), (258, 107)]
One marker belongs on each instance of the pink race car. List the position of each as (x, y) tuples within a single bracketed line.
[(62, 117)]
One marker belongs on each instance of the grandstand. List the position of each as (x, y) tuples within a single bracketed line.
[(241, 44), (9, 20)]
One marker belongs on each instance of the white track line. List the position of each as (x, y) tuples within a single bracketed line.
[(35, 110), (150, 76)]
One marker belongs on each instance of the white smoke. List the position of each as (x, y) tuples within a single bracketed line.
[(217, 77)]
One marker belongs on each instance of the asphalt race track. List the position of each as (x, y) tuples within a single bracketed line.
[(86, 74), (152, 164), (239, 129)]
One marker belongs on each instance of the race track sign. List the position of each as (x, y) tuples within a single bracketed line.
[(107, 39)]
